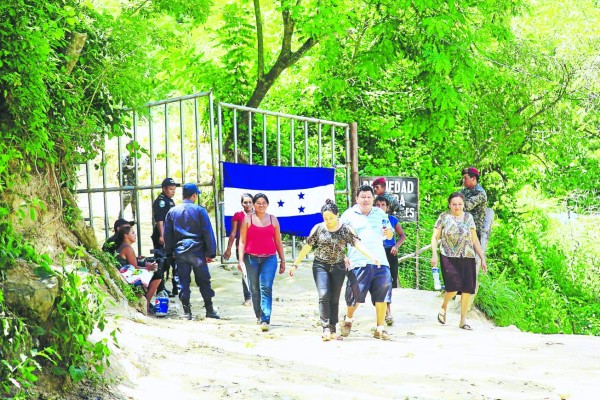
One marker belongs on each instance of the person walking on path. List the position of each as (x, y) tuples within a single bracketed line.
[(330, 239), (459, 243), (189, 236), (260, 240), (236, 223), (369, 223)]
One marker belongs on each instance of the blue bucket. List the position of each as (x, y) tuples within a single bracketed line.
[(161, 306)]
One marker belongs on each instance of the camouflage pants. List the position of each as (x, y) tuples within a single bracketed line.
[(128, 198)]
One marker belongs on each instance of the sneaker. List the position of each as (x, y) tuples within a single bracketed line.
[(264, 326), (326, 336), (389, 320), (381, 334), (345, 327)]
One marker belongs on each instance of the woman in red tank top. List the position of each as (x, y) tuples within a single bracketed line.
[(260, 240)]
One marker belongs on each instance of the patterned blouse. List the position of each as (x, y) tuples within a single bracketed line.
[(329, 246), (456, 236)]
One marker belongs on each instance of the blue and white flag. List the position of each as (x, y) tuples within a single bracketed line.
[(296, 194)]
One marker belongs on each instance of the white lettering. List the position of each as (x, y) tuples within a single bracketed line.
[(402, 201)]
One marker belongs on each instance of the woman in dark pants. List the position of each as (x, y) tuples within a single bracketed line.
[(330, 240), (458, 247)]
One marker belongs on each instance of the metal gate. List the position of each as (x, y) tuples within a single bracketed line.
[(176, 138), (256, 136)]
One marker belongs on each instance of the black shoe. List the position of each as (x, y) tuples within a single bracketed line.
[(187, 312), (211, 313), (171, 294)]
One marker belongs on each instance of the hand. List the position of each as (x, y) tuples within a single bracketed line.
[(484, 266), (347, 262), (152, 267), (293, 269), (240, 264), (434, 261), (227, 254), (161, 240), (209, 260), (282, 267), (377, 262), (389, 233), (394, 251)]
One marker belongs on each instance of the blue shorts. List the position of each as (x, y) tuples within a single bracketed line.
[(372, 279)]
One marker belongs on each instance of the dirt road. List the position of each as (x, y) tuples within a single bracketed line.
[(231, 358)]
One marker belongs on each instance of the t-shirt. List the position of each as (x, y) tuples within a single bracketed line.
[(387, 243), (239, 217), (456, 236), (368, 229), (330, 246)]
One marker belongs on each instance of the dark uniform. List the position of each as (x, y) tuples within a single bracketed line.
[(189, 236), (160, 208)]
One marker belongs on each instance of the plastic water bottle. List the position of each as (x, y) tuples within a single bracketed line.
[(384, 223), (437, 285)]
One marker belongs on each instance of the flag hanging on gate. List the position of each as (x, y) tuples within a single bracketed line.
[(296, 194)]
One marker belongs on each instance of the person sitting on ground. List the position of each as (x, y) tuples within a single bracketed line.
[(110, 246), (391, 250), (330, 239), (126, 256)]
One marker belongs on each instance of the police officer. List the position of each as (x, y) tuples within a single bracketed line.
[(128, 179), (189, 235), (161, 206)]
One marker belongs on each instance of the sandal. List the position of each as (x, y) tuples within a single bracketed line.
[(389, 320), (466, 327), (442, 318)]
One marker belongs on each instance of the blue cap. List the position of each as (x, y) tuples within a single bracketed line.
[(190, 189)]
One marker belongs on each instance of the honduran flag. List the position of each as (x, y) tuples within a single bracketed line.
[(296, 194)]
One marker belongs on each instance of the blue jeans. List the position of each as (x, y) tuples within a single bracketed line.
[(329, 279), (261, 274), (186, 263)]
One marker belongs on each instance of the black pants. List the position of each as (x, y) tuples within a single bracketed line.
[(329, 279), (187, 263), (393, 261)]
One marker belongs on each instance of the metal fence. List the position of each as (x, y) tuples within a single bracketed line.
[(256, 136), (177, 139)]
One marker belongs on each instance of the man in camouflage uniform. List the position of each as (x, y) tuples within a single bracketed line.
[(379, 187), (128, 174), (475, 197)]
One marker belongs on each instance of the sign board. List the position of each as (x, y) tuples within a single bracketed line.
[(406, 190)]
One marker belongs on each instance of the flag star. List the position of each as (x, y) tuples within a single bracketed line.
[(281, 203), (301, 196), (301, 209)]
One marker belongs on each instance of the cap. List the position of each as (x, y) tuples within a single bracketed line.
[(190, 189), (379, 181), (169, 182), (470, 170), (120, 222)]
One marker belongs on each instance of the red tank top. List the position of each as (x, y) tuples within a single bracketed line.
[(260, 240)]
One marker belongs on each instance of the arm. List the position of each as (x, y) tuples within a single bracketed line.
[(303, 252), (437, 233), (478, 250), (234, 229), (279, 245), (242, 243), (161, 230), (473, 201), (358, 245), (401, 239), (210, 242)]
